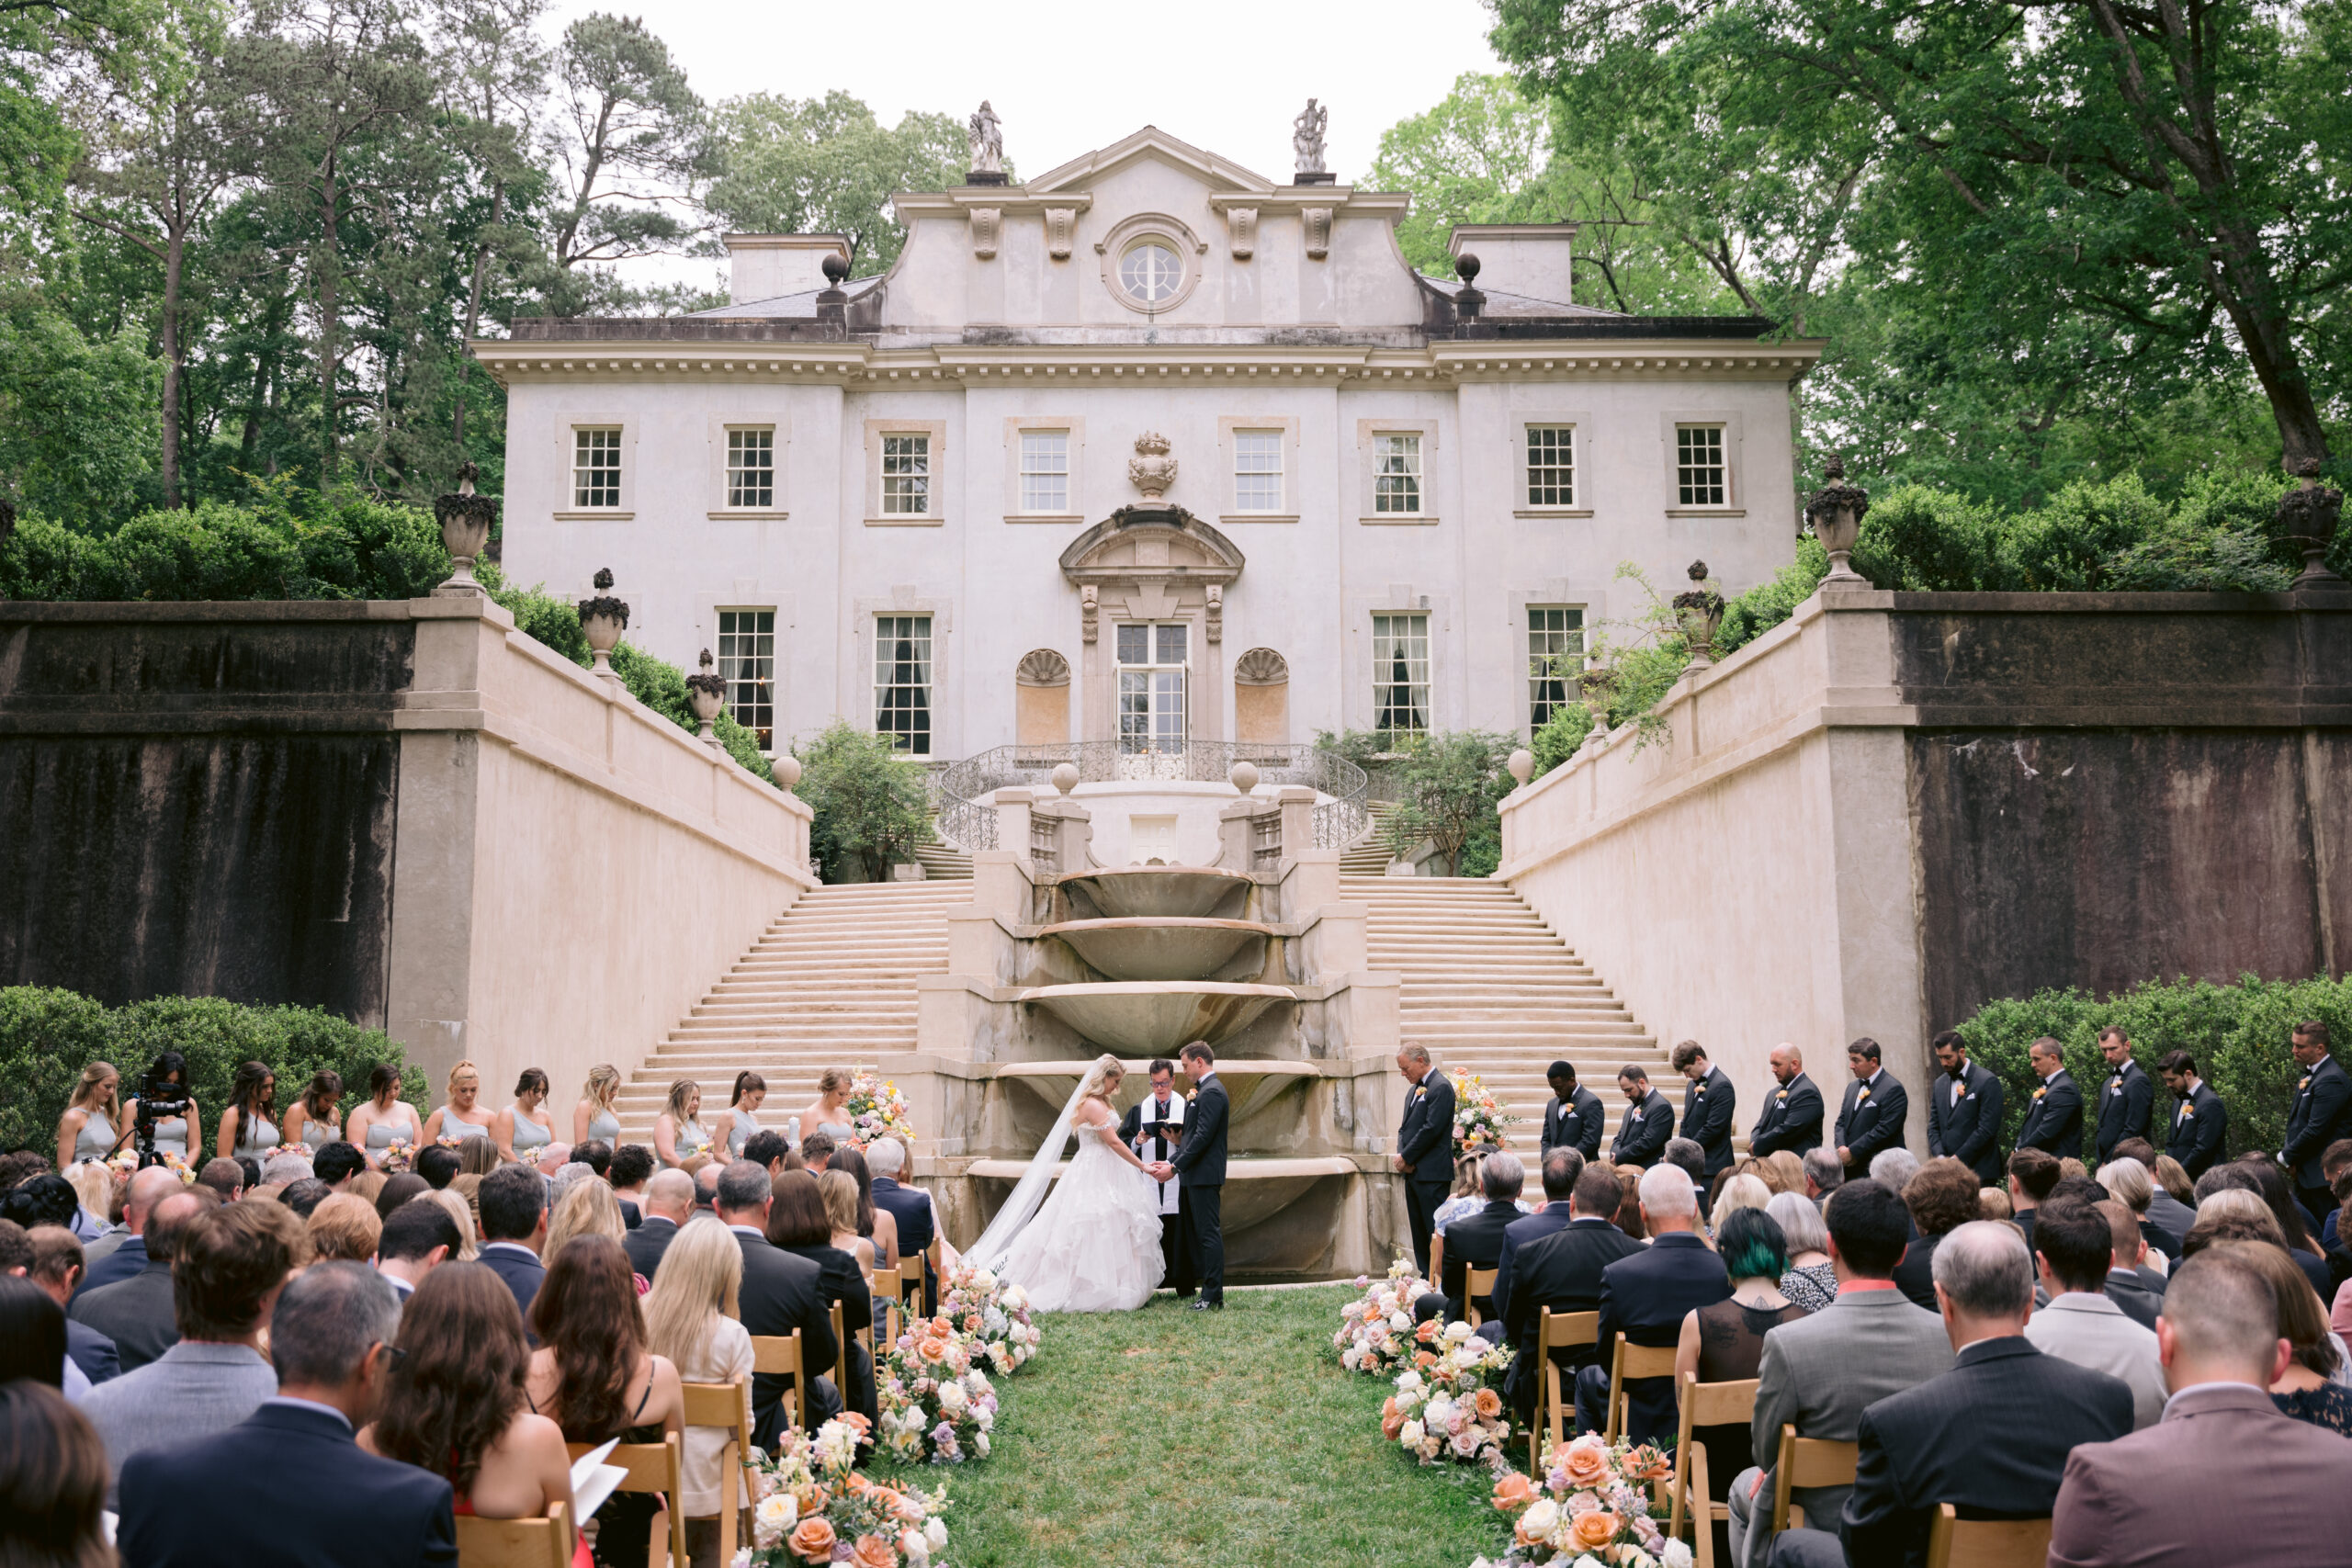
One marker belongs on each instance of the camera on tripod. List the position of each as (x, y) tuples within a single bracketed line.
[(160, 1100)]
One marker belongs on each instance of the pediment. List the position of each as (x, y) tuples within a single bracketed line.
[(1220, 174), (1151, 543)]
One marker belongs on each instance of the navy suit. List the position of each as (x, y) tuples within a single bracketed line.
[(1871, 1120), (2125, 1103), (1573, 1124), (1643, 1132), (519, 1269), (121, 1264), (1707, 1108), (2054, 1118), (92, 1352), (648, 1242), (1425, 1143), (1199, 1160), (783, 1292), (1644, 1297), (2199, 1131), (286, 1487), (2320, 1114), (1525, 1231), (1791, 1120), (1968, 1129)]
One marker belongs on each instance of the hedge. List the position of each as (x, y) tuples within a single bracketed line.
[(2238, 1034), (47, 1036)]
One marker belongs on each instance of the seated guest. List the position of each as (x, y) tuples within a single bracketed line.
[(1474, 1240), (706, 1177), (302, 1199), (691, 1319), (137, 1313), (1927, 1446), (2073, 1245), (53, 1481), (915, 1221), (1736, 1189), (798, 1224), (767, 1147), (632, 1165), (364, 1187), (780, 1293), (2271, 1183), (224, 1176), (129, 1256), (2138, 1291), (1724, 1343), (668, 1199), (344, 1229), (32, 1333), (454, 1405), (817, 1148), (594, 1376), (2175, 1183), (461, 1214), (437, 1165), (1645, 1297), (230, 1266), (1690, 1157), (588, 1208), (838, 1188), (419, 1236), (2032, 1173), (1940, 1199), (288, 1485), (282, 1172), (2224, 1477), (2232, 1214), (1811, 1278), (876, 1223), (337, 1164), (2306, 1388), (2129, 1183), (399, 1189), (1823, 1174), (477, 1157), (514, 1206), (1993, 1204), (1820, 1372), (56, 1268), (1561, 1168), (41, 1200), (595, 1153)]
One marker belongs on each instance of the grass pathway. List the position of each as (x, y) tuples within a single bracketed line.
[(1168, 1439)]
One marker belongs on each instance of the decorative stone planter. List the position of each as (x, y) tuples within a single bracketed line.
[(1836, 512), (706, 695), (2307, 519), (603, 619), (466, 520), (1701, 612)]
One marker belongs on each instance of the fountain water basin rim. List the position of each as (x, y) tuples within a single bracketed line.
[(1155, 1018), (1160, 947)]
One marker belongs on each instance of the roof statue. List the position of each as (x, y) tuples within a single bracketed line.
[(987, 135), (1307, 138)]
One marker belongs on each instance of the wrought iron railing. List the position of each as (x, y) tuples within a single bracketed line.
[(962, 791)]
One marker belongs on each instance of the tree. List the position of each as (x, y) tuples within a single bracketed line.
[(827, 166), (1469, 160), (633, 141), (870, 800), (75, 430), (1449, 788)]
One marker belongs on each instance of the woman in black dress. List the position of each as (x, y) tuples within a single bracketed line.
[(799, 1224), (1724, 1343)]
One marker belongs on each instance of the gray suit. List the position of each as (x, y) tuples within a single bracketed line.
[(192, 1390), (1822, 1372), (2085, 1328)]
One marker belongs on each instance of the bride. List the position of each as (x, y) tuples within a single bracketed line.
[(1094, 1244)]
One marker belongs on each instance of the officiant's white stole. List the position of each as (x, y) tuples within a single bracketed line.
[(1152, 1146)]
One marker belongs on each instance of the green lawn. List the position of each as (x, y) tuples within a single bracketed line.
[(1168, 1439)]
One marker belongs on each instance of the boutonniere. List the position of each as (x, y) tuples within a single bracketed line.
[(1784, 1094), (2040, 1092), (2304, 1085), (1863, 1098), (1193, 1096), (1697, 1093)]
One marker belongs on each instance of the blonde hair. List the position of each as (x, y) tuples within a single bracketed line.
[(453, 1200), (839, 1190), (1742, 1191), (681, 1091), (1106, 1072), (1993, 1203), (449, 1084), (345, 1229), (1784, 1171), (93, 1076), (1466, 1173), (589, 1208), (835, 1080), (365, 1186), (701, 1277), (604, 1083), (93, 1186)]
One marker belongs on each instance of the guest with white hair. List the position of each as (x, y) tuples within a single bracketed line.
[(1812, 1279), (1645, 1297), (1894, 1167), (917, 1217), (283, 1170)]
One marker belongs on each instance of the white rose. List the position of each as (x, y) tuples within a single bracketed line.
[(934, 1534), (1411, 1434), (986, 1418), (1678, 1555), (952, 1399), (1542, 1519), (1587, 1561), (987, 1280), (773, 1517), (1408, 1382), (1440, 1411), (980, 1443), (1455, 1333)]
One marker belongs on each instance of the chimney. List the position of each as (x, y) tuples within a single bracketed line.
[(1530, 259), (768, 266)]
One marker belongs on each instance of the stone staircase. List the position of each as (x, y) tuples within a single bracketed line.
[(941, 864), (830, 983), (1369, 855), (1490, 989)]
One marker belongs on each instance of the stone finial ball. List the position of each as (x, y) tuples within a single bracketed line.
[(1244, 776), (835, 267), (1522, 764), (787, 770), (1066, 777), (1466, 267)]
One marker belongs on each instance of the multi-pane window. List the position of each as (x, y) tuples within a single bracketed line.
[(750, 468), (1554, 652), (1699, 464), (1152, 666), (595, 467), (1150, 273), (906, 475), (1396, 473), (746, 663), (1551, 465), (1045, 470), (1258, 471), (1400, 673), (903, 680)]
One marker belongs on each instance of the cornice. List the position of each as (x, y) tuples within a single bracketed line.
[(1009, 200), (1297, 199)]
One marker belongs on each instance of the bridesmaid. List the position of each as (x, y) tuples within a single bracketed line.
[(677, 1135), (247, 1128), (523, 1128), (385, 1120), (827, 1116), (749, 1090), (88, 1129), (311, 1120), (460, 1117), (595, 1117), (174, 1134)]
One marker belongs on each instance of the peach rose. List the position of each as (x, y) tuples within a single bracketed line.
[(931, 1348), (812, 1540), (857, 1484), (971, 1323), (855, 1421), (1425, 1357), (1392, 1424), (1587, 1464), (874, 1551), (1514, 1492), (941, 1326), (1388, 1408), (1427, 1332), (1488, 1403), (810, 1499), (1593, 1530)]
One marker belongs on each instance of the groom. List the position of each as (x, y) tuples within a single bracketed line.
[(1198, 1164)]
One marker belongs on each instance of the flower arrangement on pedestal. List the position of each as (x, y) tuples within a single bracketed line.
[(1595, 1503), (809, 1506), (1480, 1122), (937, 1405), (877, 1109), (1375, 1331), (992, 1311), (1447, 1405)]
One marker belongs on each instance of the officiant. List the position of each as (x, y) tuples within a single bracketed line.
[(1152, 1128)]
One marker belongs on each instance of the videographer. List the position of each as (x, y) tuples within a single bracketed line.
[(163, 1118)]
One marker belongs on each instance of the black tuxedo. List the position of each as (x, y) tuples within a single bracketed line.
[(286, 1487), (2322, 1112), (2126, 1101), (1791, 1120), (782, 1292), (1871, 1120), (1425, 1143), (2199, 1131), (1573, 1124), (911, 1206), (648, 1242), (1144, 1120), (1474, 1240), (1645, 1296), (1969, 1129), (1560, 1272), (1707, 1108), (2054, 1118), (1643, 1132), (1522, 1232), (520, 1271), (1199, 1160)]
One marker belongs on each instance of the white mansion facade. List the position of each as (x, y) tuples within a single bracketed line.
[(1147, 448)]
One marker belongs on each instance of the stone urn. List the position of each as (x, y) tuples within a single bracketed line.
[(466, 520), (1701, 612), (1597, 687), (603, 619), (1836, 512), (706, 695), (1151, 468), (2307, 520)]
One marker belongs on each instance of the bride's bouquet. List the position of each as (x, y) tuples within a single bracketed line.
[(1480, 1122), (937, 1405), (810, 1505), (877, 1109), (1375, 1330), (994, 1313), (1594, 1503), (1447, 1404)]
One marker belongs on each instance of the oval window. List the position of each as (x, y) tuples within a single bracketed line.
[(1150, 273)]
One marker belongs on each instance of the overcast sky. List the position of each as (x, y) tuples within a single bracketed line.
[(1066, 76)]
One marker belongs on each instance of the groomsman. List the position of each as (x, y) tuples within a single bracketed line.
[(2320, 1114), (2128, 1099), (1647, 1124), (1965, 1112), (2053, 1117), (1792, 1118), (1153, 1127), (2200, 1123), (1707, 1105), (1871, 1119), (1573, 1120), (1424, 1146)]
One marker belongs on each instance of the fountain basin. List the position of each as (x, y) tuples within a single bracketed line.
[(1154, 1018), (1163, 947), (1189, 892)]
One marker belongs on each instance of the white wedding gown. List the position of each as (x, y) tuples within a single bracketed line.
[(1093, 1245)]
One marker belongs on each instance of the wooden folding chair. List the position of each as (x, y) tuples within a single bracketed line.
[(1627, 1363), (781, 1353), (1955, 1542), (1556, 1331), (1808, 1461), (653, 1467), (727, 1405), (544, 1542), (1480, 1283), (1703, 1405)]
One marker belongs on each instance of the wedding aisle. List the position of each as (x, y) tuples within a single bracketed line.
[(1168, 1439)]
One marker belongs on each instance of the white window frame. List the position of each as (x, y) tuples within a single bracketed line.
[(1369, 432), (1387, 626), (571, 429), (1398, 489), (940, 480), (1548, 470), (1150, 676), (884, 682), (746, 671), (722, 432), (1571, 636), (906, 473), (1577, 423), (1701, 466), (1671, 423), (1229, 430), (1045, 470), (1073, 431)]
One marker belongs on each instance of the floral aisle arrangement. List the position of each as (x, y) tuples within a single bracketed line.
[(877, 1109), (1376, 1331), (1448, 1405), (1480, 1122), (1594, 1504), (937, 1405), (994, 1312), (809, 1506)]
